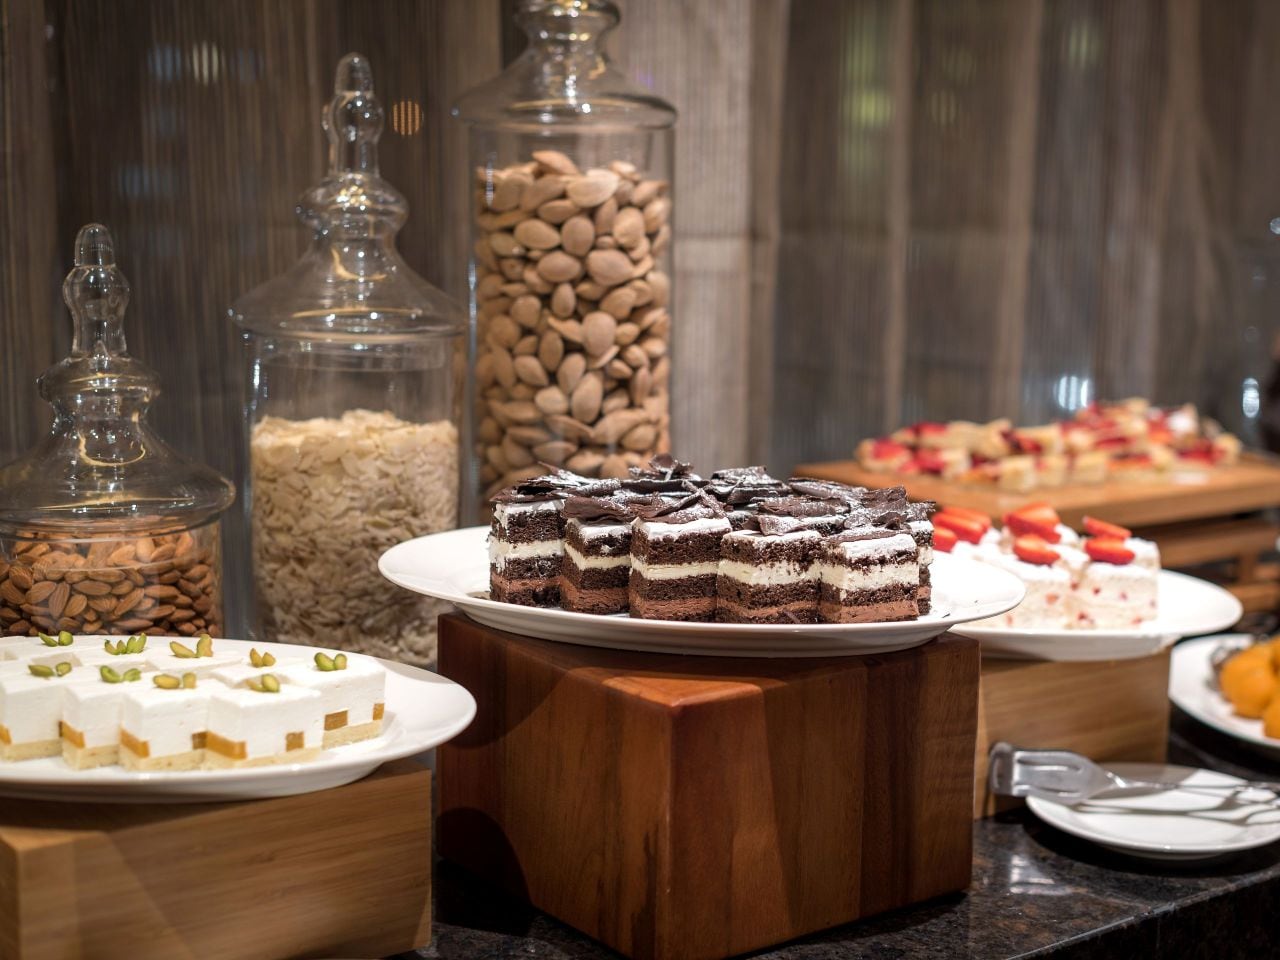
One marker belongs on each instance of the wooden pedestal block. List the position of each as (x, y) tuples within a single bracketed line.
[(1117, 710), (701, 807), (340, 873)]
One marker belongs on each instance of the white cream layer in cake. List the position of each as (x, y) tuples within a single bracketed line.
[(596, 562), (162, 728), (352, 700), (250, 726), (1115, 596), (500, 551), (775, 574), (30, 711), (503, 512), (654, 531), (1049, 601), (674, 571), (871, 564)]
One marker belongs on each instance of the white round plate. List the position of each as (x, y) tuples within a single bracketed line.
[(423, 710), (454, 566), (1170, 825), (1191, 689), (1188, 607)]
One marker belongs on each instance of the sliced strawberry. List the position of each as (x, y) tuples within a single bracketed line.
[(1033, 549), (944, 539), (977, 516), (970, 531), (1108, 531), (929, 461), (1108, 550), (889, 450), (1036, 519)]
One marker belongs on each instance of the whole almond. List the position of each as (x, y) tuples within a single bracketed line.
[(563, 300), (609, 267), (529, 277), (59, 600), (489, 286), (570, 330), (551, 349), (522, 411), (126, 603), (507, 191), (628, 227), (593, 189), (618, 302), (540, 191), (558, 267), (529, 434), (568, 374), (641, 384), (584, 402), (555, 161), (635, 356), (514, 453), (504, 370), (577, 235), (627, 334), (640, 438), (92, 588), (645, 191), (641, 250), (655, 347), (569, 428), (662, 240), (504, 331), (603, 217), (662, 372), (585, 462), (527, 346), (484, 370), (597, 360), (552, 401), (556, 212), (618, 369), (21, 578), (606, 242), (39, 592), (655, 213), (540, 235), (511, 267), (615, 400), (660, 284), (489, 431), (614, 467), (505, 245), (530, 370), (589, 290), (642, 267), (554, 451), (598, 329), (509, 219), (613, 426), (525, 310), (521, 391), (75, 605), (642, 290)]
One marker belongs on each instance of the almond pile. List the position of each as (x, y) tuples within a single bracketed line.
[(161, 586), (572, 322)]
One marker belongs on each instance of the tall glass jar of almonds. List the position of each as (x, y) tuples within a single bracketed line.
[(571, 176), (354, 367), (104, 529)]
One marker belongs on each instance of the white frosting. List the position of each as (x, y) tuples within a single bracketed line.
[(656, 530), (165, 719), (926, 556), (93, 710), (262, 721), (503, 511), (596, 563), (674, 571), (877, 546), (118, 662), (1145, 553), (594, 531), (167, 662), (500, 551), (30, 707), (767, 574), (874, 577), (356, 689)]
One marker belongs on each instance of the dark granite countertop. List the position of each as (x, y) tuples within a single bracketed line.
[(1035, 893)]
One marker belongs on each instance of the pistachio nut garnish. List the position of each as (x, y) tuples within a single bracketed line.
[(136, 644), (262, 659), (325, 662), (133, 673), (204, 646), (267, 683), (62, 667), (40, 670), (166, 681), (47, 640), (340, 662), (65, 638), (108, 675), (182, 650), (188, 681)]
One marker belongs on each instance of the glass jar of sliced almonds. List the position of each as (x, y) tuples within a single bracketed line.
[(571, 284), (104, 529)]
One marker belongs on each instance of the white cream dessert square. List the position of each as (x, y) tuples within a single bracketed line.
[(252, 727), (164, 660), (119, 662), (1112, 596), (35, 650), (1049, 601), (235, 674), (163, 729), (30, 711), (90, 727), (352, 698)]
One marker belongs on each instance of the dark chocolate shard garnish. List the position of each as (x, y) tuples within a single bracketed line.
[(773, 526), (594, 509), (554, 485), (826, 489), (803, 507), (695, 505)]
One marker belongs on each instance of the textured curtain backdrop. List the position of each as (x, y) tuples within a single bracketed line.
[(889, 209)]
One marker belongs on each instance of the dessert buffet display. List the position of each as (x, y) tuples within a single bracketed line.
[(571, 292), (353, 404), (741, 547), (103, 527), (1105, 580), (1130, 440)]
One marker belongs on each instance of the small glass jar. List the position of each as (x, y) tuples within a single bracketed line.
[(104, 529), (354, 367), (572, 239)]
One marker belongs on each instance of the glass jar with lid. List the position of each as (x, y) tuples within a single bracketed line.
[(572, 240), (104, 529), (353, 373)]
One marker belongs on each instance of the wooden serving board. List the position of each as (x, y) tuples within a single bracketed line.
[(699, 807), (1251, 484), (338, 873)]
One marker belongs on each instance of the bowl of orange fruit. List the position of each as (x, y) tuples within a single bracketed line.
[(1231, 683)]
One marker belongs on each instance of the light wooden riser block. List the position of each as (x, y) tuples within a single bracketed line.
[(697, 807), (339, 873), (1114, 710)]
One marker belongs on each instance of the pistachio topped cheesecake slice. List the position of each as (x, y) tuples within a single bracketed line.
[(262, 722), (352, 690), (31, 709), (163, 723), (190, 656), (90, 727)]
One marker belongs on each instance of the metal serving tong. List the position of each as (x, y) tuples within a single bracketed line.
[(1064, 777)]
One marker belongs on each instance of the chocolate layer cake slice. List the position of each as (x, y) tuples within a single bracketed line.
[(825, 515), (766, 575), (675, 558), (596, 570), (526, 538), (740, 489), (868, 575), (921, 529)]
